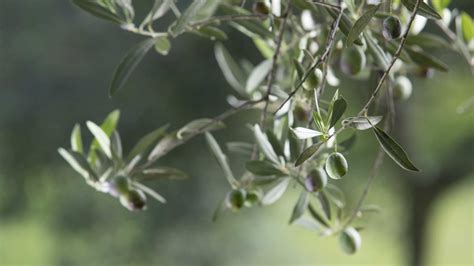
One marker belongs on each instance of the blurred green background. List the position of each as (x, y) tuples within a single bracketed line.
[(55, 65)]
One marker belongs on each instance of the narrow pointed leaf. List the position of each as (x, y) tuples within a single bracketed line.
[(360, 122), (92, 7), (394, 150), (305, 133), (76, 139), (221, 159), (360, 24), (276, 192), (231, 70), (78, 163), (145, 142), (300, 207), (339, 107), (163, 173), (424, 9), (262, 168), (265, 145), (128, 64), (150, 192), (101, 137), (317, 216), (258, 75), (197, 125), (308, 153)]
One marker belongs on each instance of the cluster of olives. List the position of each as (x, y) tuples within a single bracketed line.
[(238, 198), (336, 167), (131, 198)]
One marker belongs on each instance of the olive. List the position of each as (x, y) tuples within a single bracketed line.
[(316, 180), (350, 240), (402, 88), (301, 112), (133, 200), (235, 199), (353, 60), (118, 185), (253, 197), (261, 8), (392, 28), (336, 165), (314, 80)]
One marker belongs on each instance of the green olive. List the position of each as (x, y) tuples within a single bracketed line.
[(301, 112), (350, 240), (261, 8), (336, 165), (402, 88), (133, 200), (316, 180), (314, 80), (119, 185), (392, 28), (236, 198), (253, 197), (353, 60)]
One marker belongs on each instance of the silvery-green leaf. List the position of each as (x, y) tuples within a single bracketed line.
[(242, 148), (116, 144), (377, 53), (221, 159), (308, 153), (276, 192), (213, 33), (231, 70), (300, 207), (179, 26), (160, 7), (145, 142), (76, 139), (345, 24), (305, 133), (276, 145), (317, 216), (325, 205), (163, 173), (167, 143), (251, 28), (394, 150), (78, 163), (361, 122), (360, 24), (198, 125), (101, 137), (97, 10), (258, 75), (108, 126), (422, 58), (338, 108), (262, 168), (149, 191), (265, 145), (162, 45), (424, 9), (127, 9), (128, 64)]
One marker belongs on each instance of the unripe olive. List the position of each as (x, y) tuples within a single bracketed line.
[(301, 113), (316, 180), (314, 80), (253, 197), (336, 165), (402, 88), (353, 60), (118, 185), (350, 240), (260, 7), (236, 198), (133, 200), (392, 28)]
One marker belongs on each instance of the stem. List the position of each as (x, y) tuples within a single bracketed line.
[(318, 62), (271, 78), (394, 59), (219, 19), (132, 28)]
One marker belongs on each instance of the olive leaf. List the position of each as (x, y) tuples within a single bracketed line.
[(231, 70), (317, 216), (149, 191), (276, 192), (345, 24), (439, 5), (427, 40), (360, 24), (128, 64), (242, 148), (146, 141), (94, 8), (265, 145), (424, 9), (276, 144), (78, 163), (162, 45), (308, 153), (338, 108), (197, 125), (179, 26), (361, 122), (221, 159), (376, 52), (325, 204), (76, 139), (108, 126), (163, 173), (467, 25), (160, 7), (213, 33), (262, 168), (116, 145), (167, 143), (300, 206), (101, 137), (251, 28), (424, 59), (305, 133), (394, 150), (258, 75)]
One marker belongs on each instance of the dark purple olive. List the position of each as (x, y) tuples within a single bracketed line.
[(392, 28), (316, 180), (134, 200)]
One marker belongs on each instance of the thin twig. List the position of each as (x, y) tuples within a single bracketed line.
[(219, 19), (364, 110), (318, 62), (271, 77)]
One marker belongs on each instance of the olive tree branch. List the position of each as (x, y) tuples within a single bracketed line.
[(395, 57), (218, 19), (315, 64), (271, 77)]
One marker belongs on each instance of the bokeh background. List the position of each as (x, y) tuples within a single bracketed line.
[(55, 65)]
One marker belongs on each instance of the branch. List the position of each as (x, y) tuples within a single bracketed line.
[(219, 19), (271, 78), (364, 110), (318, 62)]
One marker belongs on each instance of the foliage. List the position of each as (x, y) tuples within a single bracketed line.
[(299, 134)]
